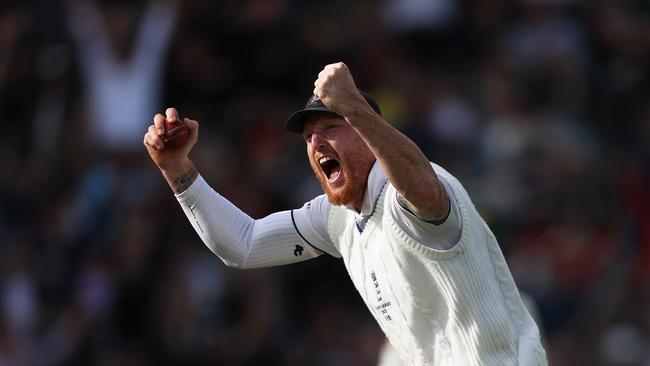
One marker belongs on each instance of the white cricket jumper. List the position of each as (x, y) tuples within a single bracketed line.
[(438, 307), (442, 294)]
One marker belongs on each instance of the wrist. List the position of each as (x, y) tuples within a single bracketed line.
[(354, 106), (176, 167), (180, 176), (360, 115)]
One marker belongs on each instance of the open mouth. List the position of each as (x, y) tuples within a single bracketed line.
[(331, 167)]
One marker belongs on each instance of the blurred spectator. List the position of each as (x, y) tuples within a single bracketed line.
[(122, 59)]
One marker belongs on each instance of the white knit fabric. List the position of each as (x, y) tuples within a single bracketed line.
[(438, 307)]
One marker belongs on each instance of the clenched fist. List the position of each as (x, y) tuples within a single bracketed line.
[(338, 92), (164, 157)]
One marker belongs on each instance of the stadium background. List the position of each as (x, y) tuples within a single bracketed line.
[(539, 106)]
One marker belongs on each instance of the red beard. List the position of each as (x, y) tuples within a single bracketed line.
[(355, 169)]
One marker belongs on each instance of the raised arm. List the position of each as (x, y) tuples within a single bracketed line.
[(86, 27), (407, 168), (154, 31), (239, 240)]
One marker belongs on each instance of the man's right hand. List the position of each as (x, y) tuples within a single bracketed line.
[(169, 159), (174, 164)]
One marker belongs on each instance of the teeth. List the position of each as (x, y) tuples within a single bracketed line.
[(324, 159)]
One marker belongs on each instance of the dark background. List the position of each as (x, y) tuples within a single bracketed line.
[(540, 107)]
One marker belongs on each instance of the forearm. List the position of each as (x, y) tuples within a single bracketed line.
[(85, 24), (405, 165), (154, 32), (403, 162), (236, 238)]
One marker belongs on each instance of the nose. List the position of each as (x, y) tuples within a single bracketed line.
[(317, 140)]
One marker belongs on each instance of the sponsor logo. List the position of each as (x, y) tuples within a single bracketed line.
[(298, 251), (383, 304)]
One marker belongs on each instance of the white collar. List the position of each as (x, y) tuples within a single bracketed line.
[(376, 181)]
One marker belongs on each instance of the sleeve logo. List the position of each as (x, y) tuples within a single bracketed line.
[(298, 251)]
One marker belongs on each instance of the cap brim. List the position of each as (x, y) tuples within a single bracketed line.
[(296, 122)]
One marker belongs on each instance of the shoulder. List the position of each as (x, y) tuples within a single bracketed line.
[(315, 212), (311, 222)]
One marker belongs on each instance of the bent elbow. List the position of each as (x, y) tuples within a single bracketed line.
[(229, 258), (233, 263), (433, 195), (426, 199), (432, 203)]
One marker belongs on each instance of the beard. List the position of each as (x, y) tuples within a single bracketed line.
[(355, 169)]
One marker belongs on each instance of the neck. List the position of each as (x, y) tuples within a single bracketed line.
[(357, 205)]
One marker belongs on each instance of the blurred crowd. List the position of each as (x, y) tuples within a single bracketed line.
[(540, 107)]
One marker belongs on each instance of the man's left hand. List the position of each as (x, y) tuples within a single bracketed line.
[(338, 92)]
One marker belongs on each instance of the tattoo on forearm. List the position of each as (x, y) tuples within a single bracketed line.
[(183, 181)]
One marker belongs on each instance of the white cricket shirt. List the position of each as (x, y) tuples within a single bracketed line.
[(442, 294), (455, 306)]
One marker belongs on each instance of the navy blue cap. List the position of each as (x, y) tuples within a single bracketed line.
[(296, 121)]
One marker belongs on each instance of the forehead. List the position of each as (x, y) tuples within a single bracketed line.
[(317, 120)]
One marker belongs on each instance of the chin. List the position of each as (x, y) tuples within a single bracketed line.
[(338, 198), (350, 192)]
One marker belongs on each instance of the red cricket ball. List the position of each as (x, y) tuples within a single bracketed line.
[(176, 134)]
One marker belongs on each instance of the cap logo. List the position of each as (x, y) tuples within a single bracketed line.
[(314, 100)]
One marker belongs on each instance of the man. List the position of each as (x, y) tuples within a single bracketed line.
[(426, 265)]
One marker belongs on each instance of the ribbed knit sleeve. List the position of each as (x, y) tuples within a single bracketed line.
[(239, 240)]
